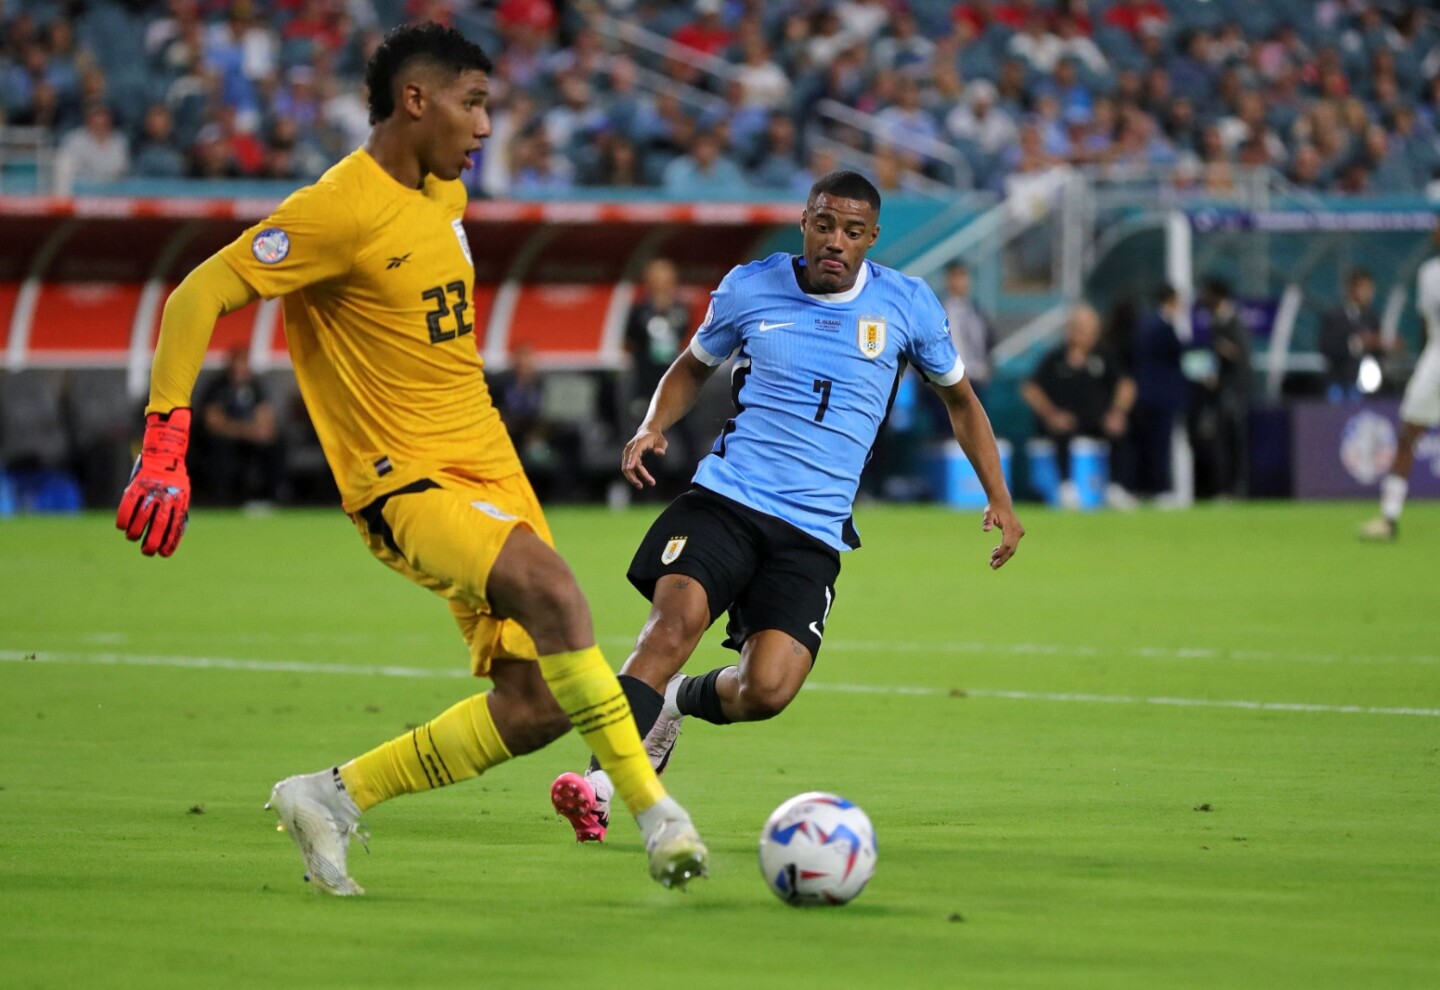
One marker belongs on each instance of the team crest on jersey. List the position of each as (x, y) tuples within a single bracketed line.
[(673, 549), (270, 246), (870, 335), (459, 229)]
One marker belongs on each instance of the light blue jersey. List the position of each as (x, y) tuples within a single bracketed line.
[(814, 378)]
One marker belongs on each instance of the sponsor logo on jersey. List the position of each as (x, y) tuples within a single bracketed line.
[(773, 326), (492, 510), (673, 549), (398, 260), (870, 335), (270, 246), (459, 229)]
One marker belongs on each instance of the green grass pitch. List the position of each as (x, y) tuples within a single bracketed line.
[(1158, 750)]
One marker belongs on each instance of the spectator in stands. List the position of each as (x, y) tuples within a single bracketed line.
[(536, 168), (706, 172), (777, 159), (706, 35), (971, 329), (1080, 390), (241, 51), (906, 124), (1349, 334), (1387, 169), (617, 163), (903, 47), (1036, 45), (1220, 428), (243, 454), (863, 19), (1076, 43), (1306, 168), (574, 117), (298, 99), (978, 119), (763, 83), (975, 15), (156, 154), (1137, 17), (1162, 394), (97, 152)]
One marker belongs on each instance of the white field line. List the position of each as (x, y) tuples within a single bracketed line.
[(1159, 653), (305, 667)]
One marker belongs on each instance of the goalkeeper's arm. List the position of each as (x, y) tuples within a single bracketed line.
[(156, 503)]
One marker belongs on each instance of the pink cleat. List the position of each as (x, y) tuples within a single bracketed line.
[(575, 798)]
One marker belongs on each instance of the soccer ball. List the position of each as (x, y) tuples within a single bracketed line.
[(817, 849)]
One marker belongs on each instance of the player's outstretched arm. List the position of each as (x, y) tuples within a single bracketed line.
[(674, 397), (972, 431), (156, 503)]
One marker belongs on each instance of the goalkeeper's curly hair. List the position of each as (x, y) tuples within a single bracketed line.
[(429, 42)]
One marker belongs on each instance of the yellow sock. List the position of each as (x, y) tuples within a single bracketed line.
[(587, 689), (457, 744)]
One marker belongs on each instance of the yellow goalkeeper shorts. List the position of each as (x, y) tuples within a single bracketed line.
[(445, 535)]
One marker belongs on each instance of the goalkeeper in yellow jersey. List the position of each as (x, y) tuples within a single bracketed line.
[(376, 275)]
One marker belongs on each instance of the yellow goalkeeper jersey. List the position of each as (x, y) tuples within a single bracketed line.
[(377, 281)]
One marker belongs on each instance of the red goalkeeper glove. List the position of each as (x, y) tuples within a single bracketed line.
[(158, 496)]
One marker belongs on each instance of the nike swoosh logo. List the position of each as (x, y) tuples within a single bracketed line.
[(773, 326)]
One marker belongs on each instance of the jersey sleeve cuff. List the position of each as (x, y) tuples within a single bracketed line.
[(956, 372), (704, 356)]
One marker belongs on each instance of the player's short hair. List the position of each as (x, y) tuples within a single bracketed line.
[(443, 47), (846, 185)]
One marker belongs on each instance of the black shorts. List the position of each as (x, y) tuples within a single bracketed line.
[(767, 573)]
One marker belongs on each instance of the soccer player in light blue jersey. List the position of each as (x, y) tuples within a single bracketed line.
[(820, 342)]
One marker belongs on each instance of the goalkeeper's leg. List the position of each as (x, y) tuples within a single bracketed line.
[(533, 585)]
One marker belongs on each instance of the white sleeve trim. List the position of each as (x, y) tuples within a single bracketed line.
[(704, 356), (950, 377)]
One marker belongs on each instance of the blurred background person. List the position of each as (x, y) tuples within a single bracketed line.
[(1220, 425), (657, 328), (1162, 395), (243, 454), (1080, 390), (1349, 334), (971, 329)]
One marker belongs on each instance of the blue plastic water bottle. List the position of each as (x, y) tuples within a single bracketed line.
[(1090, 470)]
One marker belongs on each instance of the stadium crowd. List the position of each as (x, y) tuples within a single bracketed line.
[(1336, 95)]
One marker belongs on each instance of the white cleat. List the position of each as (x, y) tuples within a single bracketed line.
[(660, 740), (1378, 530), (677, 855), (321, 817)]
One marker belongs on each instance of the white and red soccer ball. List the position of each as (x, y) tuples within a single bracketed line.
[(817, 849)]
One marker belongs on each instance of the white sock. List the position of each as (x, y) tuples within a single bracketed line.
[(666, 809), (671, 705), (1393, 490)]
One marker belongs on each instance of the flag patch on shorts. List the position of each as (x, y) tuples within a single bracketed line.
[(383, 466)]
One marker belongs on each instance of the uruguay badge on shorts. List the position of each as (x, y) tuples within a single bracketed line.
[(673, 549), (870, 335)]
